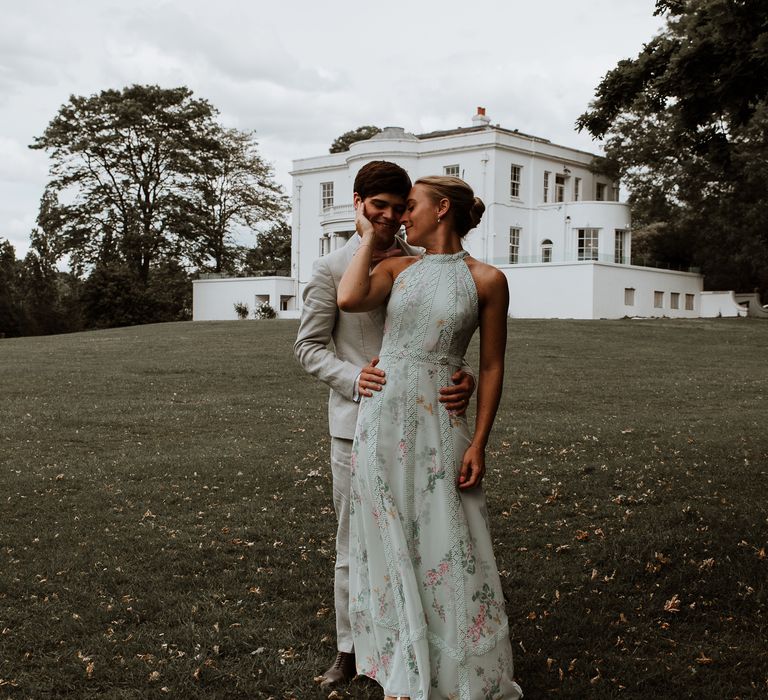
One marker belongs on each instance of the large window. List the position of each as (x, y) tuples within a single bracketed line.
[(546, 185), (658, 300), (674, 300), (576, 189), (689, 302), (452, 170), (326, 195), (620, 237), (514, 181), (588, 243), (514, 245), (559, 188)]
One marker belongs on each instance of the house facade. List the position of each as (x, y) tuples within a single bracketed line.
[(552, 225)]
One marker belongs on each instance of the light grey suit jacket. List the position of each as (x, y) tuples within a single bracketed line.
[(356, 336)]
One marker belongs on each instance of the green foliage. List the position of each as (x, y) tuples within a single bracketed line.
[(35, 298), (242, 310), (145, 183), (11, 313), (362, 133), (272, 253), (237, 189), (264, 311), (123, 162), (686, 124), (113, 296)]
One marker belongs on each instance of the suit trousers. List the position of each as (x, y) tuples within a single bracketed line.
[(341, 453)]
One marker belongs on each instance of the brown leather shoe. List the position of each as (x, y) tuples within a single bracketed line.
[(343, 670)]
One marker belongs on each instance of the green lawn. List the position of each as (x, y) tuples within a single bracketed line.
[(166, 525)]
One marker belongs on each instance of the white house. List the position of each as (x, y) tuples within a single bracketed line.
[(553, 226)]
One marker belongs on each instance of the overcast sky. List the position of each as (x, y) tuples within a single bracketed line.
[(302, 72)]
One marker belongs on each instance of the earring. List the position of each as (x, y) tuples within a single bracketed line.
[(438, 219)]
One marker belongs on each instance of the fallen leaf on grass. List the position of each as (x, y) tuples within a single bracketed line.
[(673, 604), (703, 659)]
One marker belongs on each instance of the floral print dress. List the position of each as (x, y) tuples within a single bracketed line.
[(426, 604)]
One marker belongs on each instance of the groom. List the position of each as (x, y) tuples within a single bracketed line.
[(382, 189)]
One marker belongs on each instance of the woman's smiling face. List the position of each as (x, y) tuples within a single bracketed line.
[(420, 217)]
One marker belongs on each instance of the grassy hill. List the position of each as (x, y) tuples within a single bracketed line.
[(166, 524)]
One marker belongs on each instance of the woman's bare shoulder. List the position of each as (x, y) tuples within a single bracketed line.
[(487, 277)]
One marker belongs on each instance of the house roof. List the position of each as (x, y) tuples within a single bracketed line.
[(478, 129)]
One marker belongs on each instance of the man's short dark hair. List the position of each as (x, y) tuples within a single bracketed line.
[(382, 177)]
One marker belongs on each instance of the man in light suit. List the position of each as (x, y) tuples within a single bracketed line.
[(382, 189)]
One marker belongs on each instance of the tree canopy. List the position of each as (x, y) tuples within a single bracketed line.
[(145, 187), (686, 128), (362, 133)]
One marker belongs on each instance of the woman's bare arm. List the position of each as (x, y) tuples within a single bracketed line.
[(493, 292)]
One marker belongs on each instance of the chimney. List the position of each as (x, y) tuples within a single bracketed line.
[(480, 119)]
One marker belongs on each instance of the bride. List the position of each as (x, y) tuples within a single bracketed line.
[(426, 603)]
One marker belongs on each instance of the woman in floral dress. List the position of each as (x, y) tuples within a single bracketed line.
[(425, 597)]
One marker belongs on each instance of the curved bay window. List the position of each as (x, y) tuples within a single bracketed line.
[(546, 251)]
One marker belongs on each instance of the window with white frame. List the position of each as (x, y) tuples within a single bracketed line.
[(629, 296), (514, 244), (600, 191), (588, 241), (325, 245), (286, 302), (451, 170), (514, 181), (689, 302), (620, 237), (326, 195), (674, 300), (559, 188), (576, 189), (658, 300), (546, 251), (546, 185)]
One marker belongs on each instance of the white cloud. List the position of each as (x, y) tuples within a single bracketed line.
[(300, 73)]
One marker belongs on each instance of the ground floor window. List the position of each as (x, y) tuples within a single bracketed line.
[(629, 296), (546, 251), (514, 245), (325, 245), (658, 300), (674, 300), (286, 302), (689, 302), (588, 243)]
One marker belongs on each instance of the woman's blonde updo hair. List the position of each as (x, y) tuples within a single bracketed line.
[(466, 208)]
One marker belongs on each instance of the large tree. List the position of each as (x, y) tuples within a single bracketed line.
[(236, 190), (272, 253), (686, 128), (122, 166), (362, 133)]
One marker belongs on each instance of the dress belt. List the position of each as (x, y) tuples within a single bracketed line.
[(435, 358)]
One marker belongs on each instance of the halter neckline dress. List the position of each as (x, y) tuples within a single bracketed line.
[(426, 604)]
